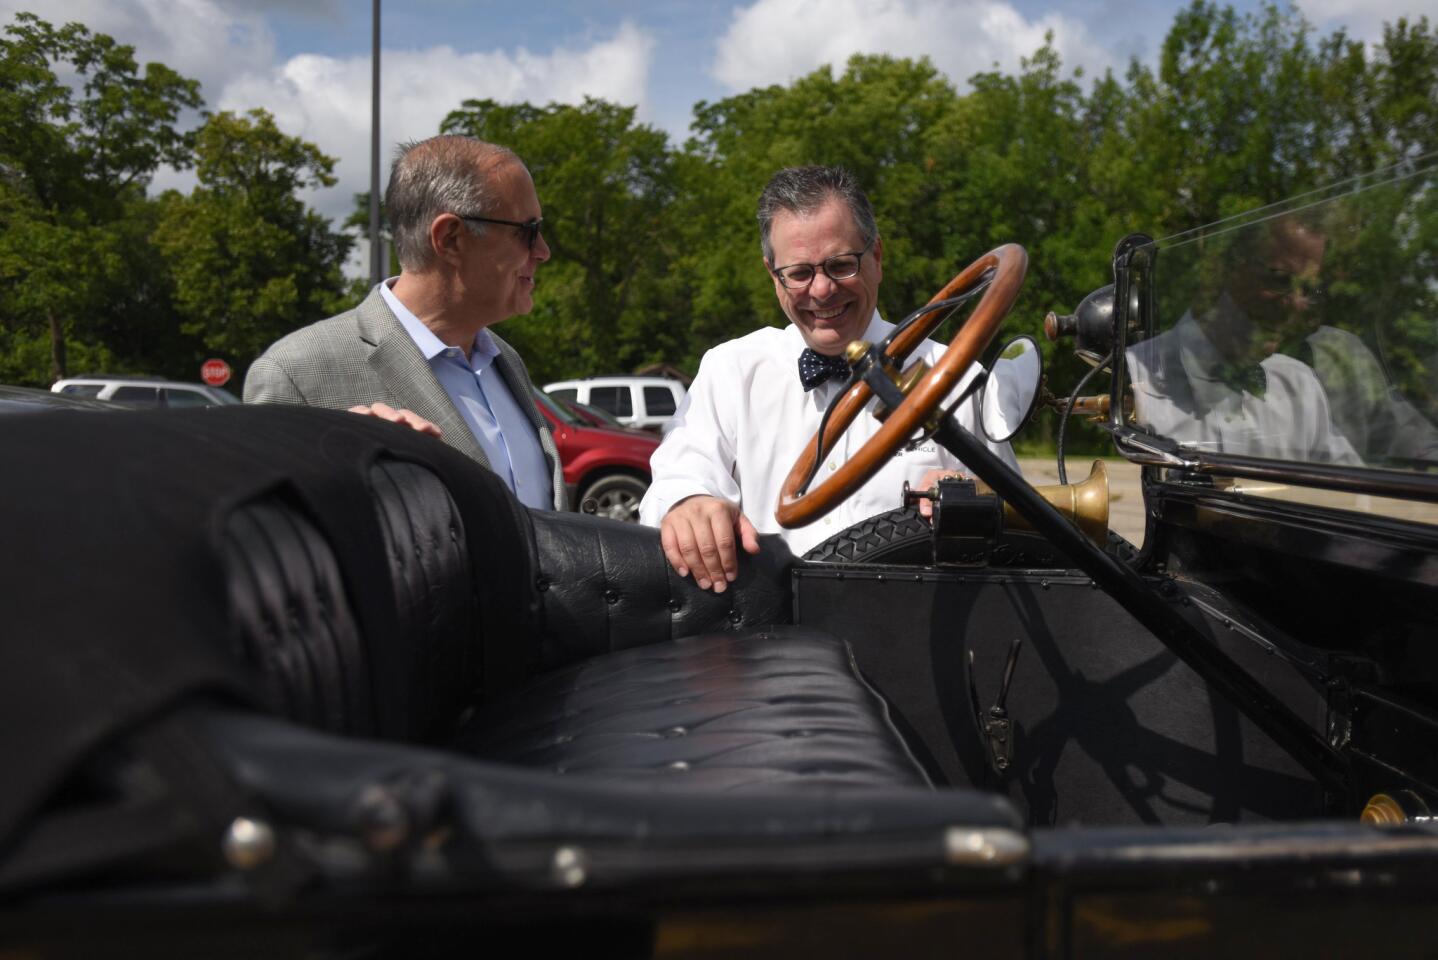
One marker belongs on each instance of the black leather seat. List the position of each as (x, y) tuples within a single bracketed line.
[(355, 632), (766, 707), (623, 671)]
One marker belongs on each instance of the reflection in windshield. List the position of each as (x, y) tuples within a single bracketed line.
[(1302, 333)]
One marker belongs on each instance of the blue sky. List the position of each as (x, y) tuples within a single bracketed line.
[(307, 61)]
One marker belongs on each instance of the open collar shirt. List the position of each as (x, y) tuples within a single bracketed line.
[(481, 395), (747, 418)]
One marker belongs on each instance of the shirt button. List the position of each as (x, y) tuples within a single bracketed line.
[(831, 465)]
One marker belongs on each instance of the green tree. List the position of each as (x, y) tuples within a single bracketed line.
[(1011, 168), (606, 184), (248, 260), (875, 118), (74, 164)]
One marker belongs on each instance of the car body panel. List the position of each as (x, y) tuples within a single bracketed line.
[(589, 453), (145, 392), (32, 400)]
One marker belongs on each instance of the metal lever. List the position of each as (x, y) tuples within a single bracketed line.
[(911, 497), (994, 724)]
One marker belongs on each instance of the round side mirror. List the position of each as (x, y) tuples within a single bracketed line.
[(1012, 389)]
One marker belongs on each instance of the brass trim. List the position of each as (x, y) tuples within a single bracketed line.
[(855, 351), (1085, 504), (1392, 809)]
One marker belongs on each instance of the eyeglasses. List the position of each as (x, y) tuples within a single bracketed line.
[(797, 276), (1284, 284), (529, 229)]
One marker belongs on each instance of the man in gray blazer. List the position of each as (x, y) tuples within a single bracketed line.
[(419, 351)]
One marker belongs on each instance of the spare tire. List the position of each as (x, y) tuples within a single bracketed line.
[(899, 536)]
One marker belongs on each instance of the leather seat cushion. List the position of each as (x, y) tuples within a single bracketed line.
[(764, 708)]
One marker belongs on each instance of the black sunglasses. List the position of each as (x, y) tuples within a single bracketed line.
[(529, 229)]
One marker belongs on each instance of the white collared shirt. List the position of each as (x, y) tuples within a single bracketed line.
[(747, 418), (480, 394)]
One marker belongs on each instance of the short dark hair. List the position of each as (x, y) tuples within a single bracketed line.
[(803, 190), (444, 174)]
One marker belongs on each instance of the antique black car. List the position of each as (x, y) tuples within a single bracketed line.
[(289, 682)]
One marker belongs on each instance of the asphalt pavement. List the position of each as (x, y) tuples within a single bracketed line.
[(1125, 510)]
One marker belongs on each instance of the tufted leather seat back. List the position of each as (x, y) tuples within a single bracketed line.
[(606, 586), (291, 618), (294, 620)]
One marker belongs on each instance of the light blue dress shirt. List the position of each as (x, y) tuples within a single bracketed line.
[(480, 394)]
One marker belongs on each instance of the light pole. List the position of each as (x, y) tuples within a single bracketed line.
[(377, 266)]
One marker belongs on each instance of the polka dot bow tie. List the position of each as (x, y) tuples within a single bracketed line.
[(815, 368)]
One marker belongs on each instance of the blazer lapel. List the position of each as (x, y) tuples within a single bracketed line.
[(511, 368), (407, 376)]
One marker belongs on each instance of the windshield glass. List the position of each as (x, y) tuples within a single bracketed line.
[(1306, 331)]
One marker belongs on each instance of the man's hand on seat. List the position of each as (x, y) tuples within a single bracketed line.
[(699, 533), (407, 417), (931, 480)]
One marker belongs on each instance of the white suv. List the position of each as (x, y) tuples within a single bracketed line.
[(145, 392), (648, 402)]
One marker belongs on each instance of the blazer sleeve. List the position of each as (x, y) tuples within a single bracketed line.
[(267, 382)]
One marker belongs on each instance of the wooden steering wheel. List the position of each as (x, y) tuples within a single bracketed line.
[(1007, 264)]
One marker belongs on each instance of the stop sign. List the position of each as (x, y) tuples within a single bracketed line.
[(215, 372)]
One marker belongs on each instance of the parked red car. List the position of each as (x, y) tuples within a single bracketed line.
[(610, 467)]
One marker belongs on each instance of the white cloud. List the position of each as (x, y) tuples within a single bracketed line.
[(326, 100), (201, 39), (229, 48), (776, 41), (1363, 19)]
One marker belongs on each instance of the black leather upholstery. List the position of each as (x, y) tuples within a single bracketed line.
[(769, 707), (384, 589), (434, 592), (615, 689), (606, 586), (291, 619), (504, 822)]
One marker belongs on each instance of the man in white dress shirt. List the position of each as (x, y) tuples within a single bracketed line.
[(758, 400)]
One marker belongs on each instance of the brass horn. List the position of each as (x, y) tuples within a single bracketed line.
[(1085, 504)]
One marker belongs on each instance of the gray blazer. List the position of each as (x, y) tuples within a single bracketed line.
[(365, 355)]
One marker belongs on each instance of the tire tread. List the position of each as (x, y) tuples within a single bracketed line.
[(899, 536)]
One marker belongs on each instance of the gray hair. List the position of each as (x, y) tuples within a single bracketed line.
[(803, 190), (445, 174)]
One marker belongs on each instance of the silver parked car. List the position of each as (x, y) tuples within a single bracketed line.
[(145, 391)]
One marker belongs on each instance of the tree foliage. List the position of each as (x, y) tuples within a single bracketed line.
[(247, 259), (607, 184), (95, 274), (73, 167), (655, 253)]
